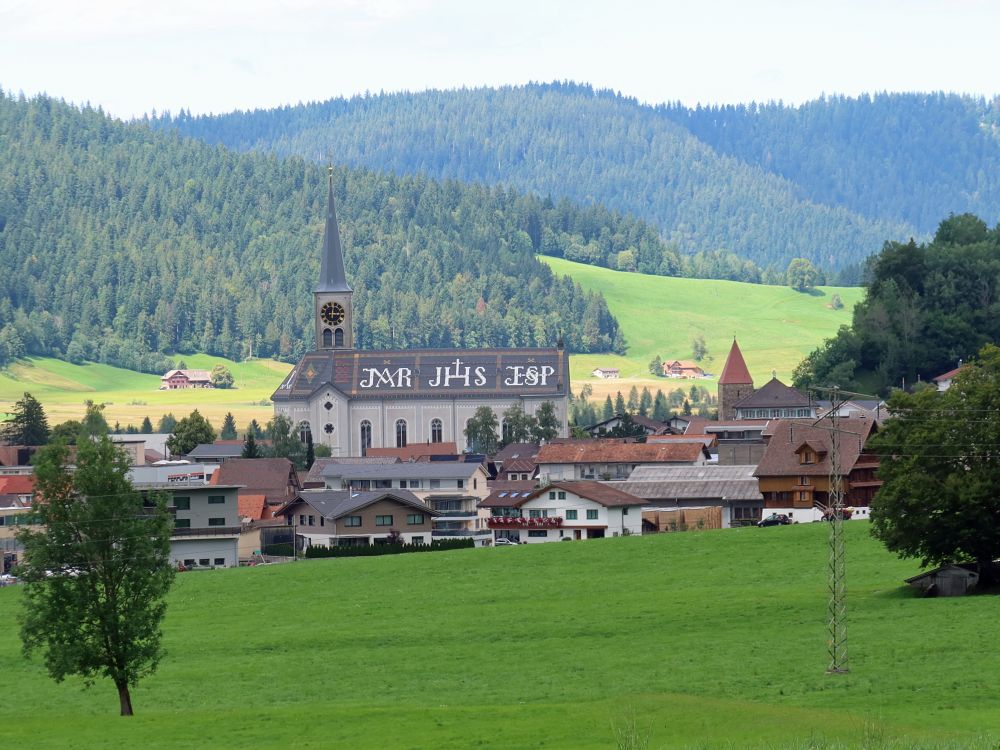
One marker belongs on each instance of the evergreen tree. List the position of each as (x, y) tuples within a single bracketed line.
[(481, 432), (310, 451), (661, 410), (27, 425), (97, 575), (192, 431), (547, 425), (166, 424), (687, 408), (147, 427), (619, 404), (633, 400), (250, 449), (645, 402), (628, 429), (228, 431), (609, 410), (255, 428), (656, 367)]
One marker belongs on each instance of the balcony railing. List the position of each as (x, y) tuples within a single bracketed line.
[(206, 531), (461, 532), (505, 522), (457, 513)]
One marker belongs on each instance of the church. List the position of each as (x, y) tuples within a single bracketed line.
[(353, 400)]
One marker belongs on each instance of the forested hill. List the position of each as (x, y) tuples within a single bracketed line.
[(568, 140), (897, 157), (119, 243)]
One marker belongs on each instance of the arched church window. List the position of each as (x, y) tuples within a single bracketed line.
[(338, 337), (305, 431), (436, 431), (366, 436), (327, 338), (400, 433)]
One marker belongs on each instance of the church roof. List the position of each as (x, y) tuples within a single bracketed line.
[(774, 393), (735, 370), (429, 373), (332, 277)]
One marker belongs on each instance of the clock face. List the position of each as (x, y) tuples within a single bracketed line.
[(332, 313)]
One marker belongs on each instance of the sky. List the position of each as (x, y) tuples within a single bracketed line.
[(134, 57)]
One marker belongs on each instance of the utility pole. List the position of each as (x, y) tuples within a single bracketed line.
[(837, 564)]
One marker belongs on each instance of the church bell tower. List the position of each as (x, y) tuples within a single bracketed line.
[(333, 310)]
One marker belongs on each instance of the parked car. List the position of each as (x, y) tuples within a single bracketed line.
[(505, 543), (775, 519)]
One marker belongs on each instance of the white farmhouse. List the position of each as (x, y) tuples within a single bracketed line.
[(566, 510)]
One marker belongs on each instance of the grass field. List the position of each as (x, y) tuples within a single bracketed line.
[(63, 388), (705, 639), (776, 326)]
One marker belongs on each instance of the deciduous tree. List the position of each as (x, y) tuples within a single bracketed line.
[(96, 577), (191, 431), (940, 469), (547, 424), (481, 431)]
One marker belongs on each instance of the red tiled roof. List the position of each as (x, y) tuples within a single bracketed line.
[(253, 506), (20, 484), (606, 451), (950, 374), (415, 450), (599, 492), (735, 370)]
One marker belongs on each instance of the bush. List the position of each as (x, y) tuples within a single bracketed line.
[(374, 550)]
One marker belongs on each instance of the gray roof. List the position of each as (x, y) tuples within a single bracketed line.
[(337, 503), (774, 393), (211, 450), (331, 273), (316, 471), (409, 470), (692, 483)]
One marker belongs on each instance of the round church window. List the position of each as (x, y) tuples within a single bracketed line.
[(328, 428)]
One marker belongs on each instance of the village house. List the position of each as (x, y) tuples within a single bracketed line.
[(737, 442), (16, 496), (794, 472), (451, 488), (680, 368), (943, 381), (606, 373), (566, 510), (728, 495), (611, 459), (347, 518), (206, 519), (177, 379), (273, 479), (516, 462)]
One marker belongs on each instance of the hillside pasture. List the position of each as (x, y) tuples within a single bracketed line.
[(63, 388), (776, 326), (704, 639)]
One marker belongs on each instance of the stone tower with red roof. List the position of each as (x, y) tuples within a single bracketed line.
[(735, 383)]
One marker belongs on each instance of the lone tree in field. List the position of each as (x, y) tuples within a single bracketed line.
[(221, 377), (801, 275), (96, 577), (940, 464), (28, 425)]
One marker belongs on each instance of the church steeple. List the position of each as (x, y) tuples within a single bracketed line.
[(331, 273), (332, 298)]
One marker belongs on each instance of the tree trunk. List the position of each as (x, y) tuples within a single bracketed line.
[(125, 698)]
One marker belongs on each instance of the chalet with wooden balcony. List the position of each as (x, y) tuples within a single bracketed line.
[(794, 472)]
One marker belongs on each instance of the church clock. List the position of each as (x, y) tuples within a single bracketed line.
[(332, 313)]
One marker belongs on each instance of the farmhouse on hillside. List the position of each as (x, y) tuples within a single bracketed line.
[(176, 379), (680, 368), (606, 373)]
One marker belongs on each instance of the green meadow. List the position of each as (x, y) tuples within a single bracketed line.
[(697, 640), (776, 326), (63, 388)]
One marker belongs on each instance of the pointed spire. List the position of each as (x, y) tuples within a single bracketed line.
[(735, 370), (331, 273)]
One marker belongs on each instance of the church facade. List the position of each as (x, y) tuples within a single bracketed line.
[(352, 400)]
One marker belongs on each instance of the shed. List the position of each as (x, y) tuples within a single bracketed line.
[(948, 580)]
